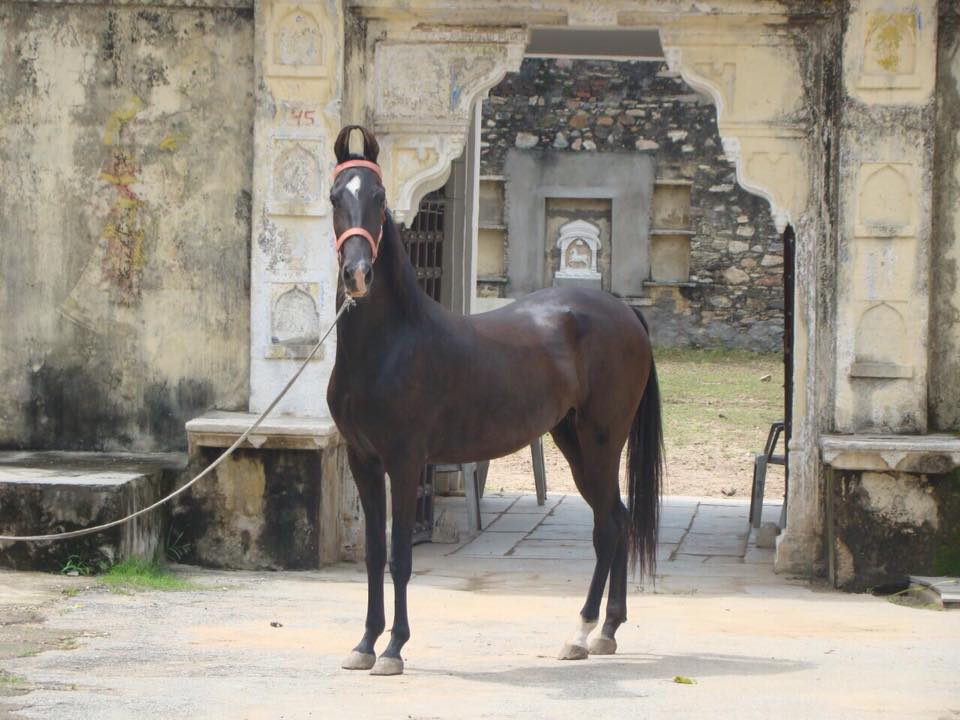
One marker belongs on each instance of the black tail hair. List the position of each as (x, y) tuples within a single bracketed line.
[(645, 460)]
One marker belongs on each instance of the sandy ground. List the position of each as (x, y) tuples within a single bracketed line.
[(485, 634)]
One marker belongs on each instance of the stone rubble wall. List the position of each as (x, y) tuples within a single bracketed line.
[(735, 296)]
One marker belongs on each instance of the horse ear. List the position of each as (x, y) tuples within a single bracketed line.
[(341, 148), (371, 148)]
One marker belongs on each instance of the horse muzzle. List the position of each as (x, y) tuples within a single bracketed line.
[(357, 277)]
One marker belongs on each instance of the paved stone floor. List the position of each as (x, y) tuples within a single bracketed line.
[(488, 615), (704, 543)]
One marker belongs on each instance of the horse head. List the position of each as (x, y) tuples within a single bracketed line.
[(359, 210)]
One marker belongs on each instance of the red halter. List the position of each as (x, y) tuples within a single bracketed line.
[(362, 232)]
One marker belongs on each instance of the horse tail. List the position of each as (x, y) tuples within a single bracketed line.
[(645, 473)]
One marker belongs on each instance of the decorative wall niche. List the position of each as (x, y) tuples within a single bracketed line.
[(670, 234), (890, 50), (669, 256), (296, 182), (880, 349), (579, 245), (295, 44), (294, 320), (886, 200), (671, 204), (578, 236), (491, 237)]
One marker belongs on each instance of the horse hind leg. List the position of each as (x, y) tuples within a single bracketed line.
[(605, 642), (599, 495)]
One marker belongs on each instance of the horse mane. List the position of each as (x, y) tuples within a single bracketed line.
[(394, 262)]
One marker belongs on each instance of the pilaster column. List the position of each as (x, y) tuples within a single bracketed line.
[(884, 216), (299, 48)]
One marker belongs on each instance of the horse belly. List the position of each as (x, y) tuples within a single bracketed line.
[(501, 413)]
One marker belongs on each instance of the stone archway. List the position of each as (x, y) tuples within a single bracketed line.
[(822, 115), (422, 117)]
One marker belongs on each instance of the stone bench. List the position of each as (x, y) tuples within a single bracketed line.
[(50, 492)]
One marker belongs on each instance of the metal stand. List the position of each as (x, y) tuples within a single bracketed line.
[(760, 462)]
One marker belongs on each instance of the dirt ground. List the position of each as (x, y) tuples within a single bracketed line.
[(717, 410), (245, 645)]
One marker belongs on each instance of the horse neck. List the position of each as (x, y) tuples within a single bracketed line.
[(396, 304)]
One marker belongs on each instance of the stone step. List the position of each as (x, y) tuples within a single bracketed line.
[(49, 491)]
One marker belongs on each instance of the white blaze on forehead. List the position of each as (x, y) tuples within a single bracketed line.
[(353, 185)]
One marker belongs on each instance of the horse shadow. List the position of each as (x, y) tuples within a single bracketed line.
[(571, 680)]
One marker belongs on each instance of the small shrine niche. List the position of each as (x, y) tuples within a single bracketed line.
[(579, 245), (294, 322)]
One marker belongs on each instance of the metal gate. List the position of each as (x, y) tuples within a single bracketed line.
[(424, 243)]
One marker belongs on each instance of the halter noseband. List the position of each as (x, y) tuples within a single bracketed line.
[(362, 232)]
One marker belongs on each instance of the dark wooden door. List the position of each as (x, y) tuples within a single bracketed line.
[(789, 269)]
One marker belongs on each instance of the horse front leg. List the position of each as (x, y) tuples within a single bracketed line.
[(368, 475), (403, 496)]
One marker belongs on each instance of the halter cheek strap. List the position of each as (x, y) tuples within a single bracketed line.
[(362, 232)]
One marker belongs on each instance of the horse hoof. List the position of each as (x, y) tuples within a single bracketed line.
[(359, 661), (387, 666), (603, 646), (573, 652)]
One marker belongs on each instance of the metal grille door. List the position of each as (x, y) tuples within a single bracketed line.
[(424, 242)]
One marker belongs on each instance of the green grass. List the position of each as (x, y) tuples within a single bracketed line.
[(9, 679), (143, 574), (717, 398)]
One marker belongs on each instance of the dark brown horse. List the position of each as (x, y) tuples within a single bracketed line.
[(415, 384)]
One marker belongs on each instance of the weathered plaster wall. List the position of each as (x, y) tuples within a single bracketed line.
[(889, 525), (125, 175), (945, 250), (585, 108)]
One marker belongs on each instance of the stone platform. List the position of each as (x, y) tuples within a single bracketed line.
[(50, 492), (283, 501), (704, 544)]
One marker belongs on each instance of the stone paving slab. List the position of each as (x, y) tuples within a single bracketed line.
[(491, 544), (695, 537), (514, 522), (560, 550), (562, 532)]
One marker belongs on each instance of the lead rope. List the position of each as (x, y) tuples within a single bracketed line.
[(347, 304)]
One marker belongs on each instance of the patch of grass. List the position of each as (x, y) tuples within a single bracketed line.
[(712, 356), (719, 395), (11, 679), (177, 549), (143, 574), (75, 565)]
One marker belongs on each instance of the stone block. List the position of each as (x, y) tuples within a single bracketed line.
[(890, 525), (259, 510), (51, 492)]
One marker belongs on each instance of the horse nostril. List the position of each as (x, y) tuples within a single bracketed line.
[(346, 274), (368, 276)]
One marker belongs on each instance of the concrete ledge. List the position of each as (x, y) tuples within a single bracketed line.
[(278, 432), (50, 492), (922, 454)]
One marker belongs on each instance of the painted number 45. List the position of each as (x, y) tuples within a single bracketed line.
[(303, 117)]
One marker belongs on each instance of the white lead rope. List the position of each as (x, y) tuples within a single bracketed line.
[(347, 304)]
